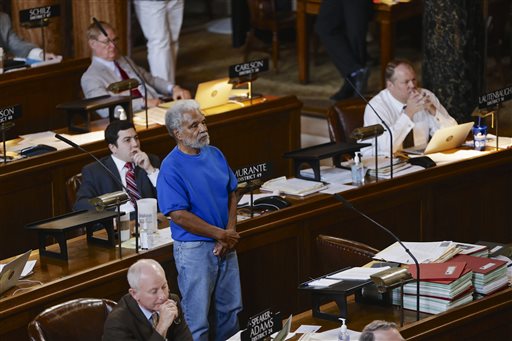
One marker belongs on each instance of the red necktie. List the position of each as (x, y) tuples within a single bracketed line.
[(135, 92), (131, 185)]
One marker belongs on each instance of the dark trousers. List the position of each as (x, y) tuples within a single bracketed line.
[(341, 26)]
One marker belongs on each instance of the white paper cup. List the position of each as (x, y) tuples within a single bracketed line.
[(147, 214)]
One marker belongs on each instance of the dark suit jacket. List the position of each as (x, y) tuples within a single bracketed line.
[(127, 322), (96, 181)]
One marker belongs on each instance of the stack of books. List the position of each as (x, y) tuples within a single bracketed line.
[(489, 275), (442, 286), (473, 249)]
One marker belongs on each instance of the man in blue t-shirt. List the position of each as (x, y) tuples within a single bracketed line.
[(196, 188)]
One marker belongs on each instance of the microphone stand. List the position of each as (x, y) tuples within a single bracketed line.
[(116, 179), (347, 204), (127, 61), (347, 79)]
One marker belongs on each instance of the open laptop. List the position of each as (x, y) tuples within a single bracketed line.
[(213, 93), (11, 272), (443, 139)]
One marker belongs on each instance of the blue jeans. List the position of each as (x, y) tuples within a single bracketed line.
[(210, 290)]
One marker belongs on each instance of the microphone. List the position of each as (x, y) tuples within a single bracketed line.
[(115, 178), (381, 120), (142, 80), (347, 204)]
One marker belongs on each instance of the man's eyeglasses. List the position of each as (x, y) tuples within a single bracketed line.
[(107, 42)]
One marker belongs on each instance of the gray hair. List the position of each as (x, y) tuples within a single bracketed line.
[(174, 116), (367, 334), (136, 269)]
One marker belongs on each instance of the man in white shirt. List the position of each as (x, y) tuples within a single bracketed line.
[(109, 67), (406, 109), (123, 142)]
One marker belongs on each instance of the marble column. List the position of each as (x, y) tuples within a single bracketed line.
[(453, 40)]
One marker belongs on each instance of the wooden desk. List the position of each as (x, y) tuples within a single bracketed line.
[(34, 188), (484, 319), (39, 90), (385, 15), (277, 251)]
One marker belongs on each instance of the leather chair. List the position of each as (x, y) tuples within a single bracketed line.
[(336, 253), (343, 117), (265, 17), (75, 320), (72, 186)]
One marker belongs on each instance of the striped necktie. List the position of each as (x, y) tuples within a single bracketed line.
[(154, 319), (131, 185)]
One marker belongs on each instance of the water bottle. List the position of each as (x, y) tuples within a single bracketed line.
[(343, 334)]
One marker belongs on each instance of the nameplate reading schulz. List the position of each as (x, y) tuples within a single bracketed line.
[(248, 68), (253, 172), (493, 98), (39, 13), (261, 325), (10, 113)]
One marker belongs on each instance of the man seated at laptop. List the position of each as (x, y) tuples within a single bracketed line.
[(413, 114), (137, 170), (109, 67)]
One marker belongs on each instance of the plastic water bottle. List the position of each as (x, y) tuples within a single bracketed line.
[(343, 334)]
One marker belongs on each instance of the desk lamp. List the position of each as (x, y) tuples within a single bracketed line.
[(108, 200)]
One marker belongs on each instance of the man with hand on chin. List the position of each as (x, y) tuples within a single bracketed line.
[(196, 188), (148, 311), (127, 162), (413, 114)]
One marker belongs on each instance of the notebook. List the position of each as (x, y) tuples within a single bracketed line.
[(213, 93), (11, 272), (443, 139)]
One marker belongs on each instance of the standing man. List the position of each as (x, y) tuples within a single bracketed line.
[(341, 26), (196, 188), (108, 67), (161, 21), (147, 312), (127, 162), (413, 114)]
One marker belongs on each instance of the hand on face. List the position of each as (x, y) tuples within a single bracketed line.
[(419, 101), (141, 159), (168, 312)]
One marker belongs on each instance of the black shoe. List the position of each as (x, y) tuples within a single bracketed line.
[(346, 91), (360, 79)]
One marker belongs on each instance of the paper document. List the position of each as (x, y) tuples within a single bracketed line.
[(330, 174), (357, 273), (292, 186), (156, 115), (425, 252), (27, 270), (323, 282)]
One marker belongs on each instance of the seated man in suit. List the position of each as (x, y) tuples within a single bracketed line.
[(380, 331), (148, 311), (109, 67), (137, 170), (16, 46), (413, 114)]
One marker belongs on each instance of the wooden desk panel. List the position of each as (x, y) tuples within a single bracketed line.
[(34, 188), (277, 251), (386, 16), (39, 90)]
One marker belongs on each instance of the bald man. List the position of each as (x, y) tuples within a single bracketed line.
[(148, 311), (380, 331)]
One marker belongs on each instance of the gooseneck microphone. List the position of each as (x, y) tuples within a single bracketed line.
[(115, 178), (381, 121), (142, 80), (347, 204)]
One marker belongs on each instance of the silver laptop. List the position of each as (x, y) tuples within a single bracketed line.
[(11, 272), (213, 93), (443, 139)]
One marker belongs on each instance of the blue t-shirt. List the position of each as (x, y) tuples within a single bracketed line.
[(200, 184)]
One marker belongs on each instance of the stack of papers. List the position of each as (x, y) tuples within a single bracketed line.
[(442, 286), (425, 252), (472, 249), (330, 174), (292, 186), (489, 275)]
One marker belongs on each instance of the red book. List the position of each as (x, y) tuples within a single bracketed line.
[(480, 265), (448, 271)]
